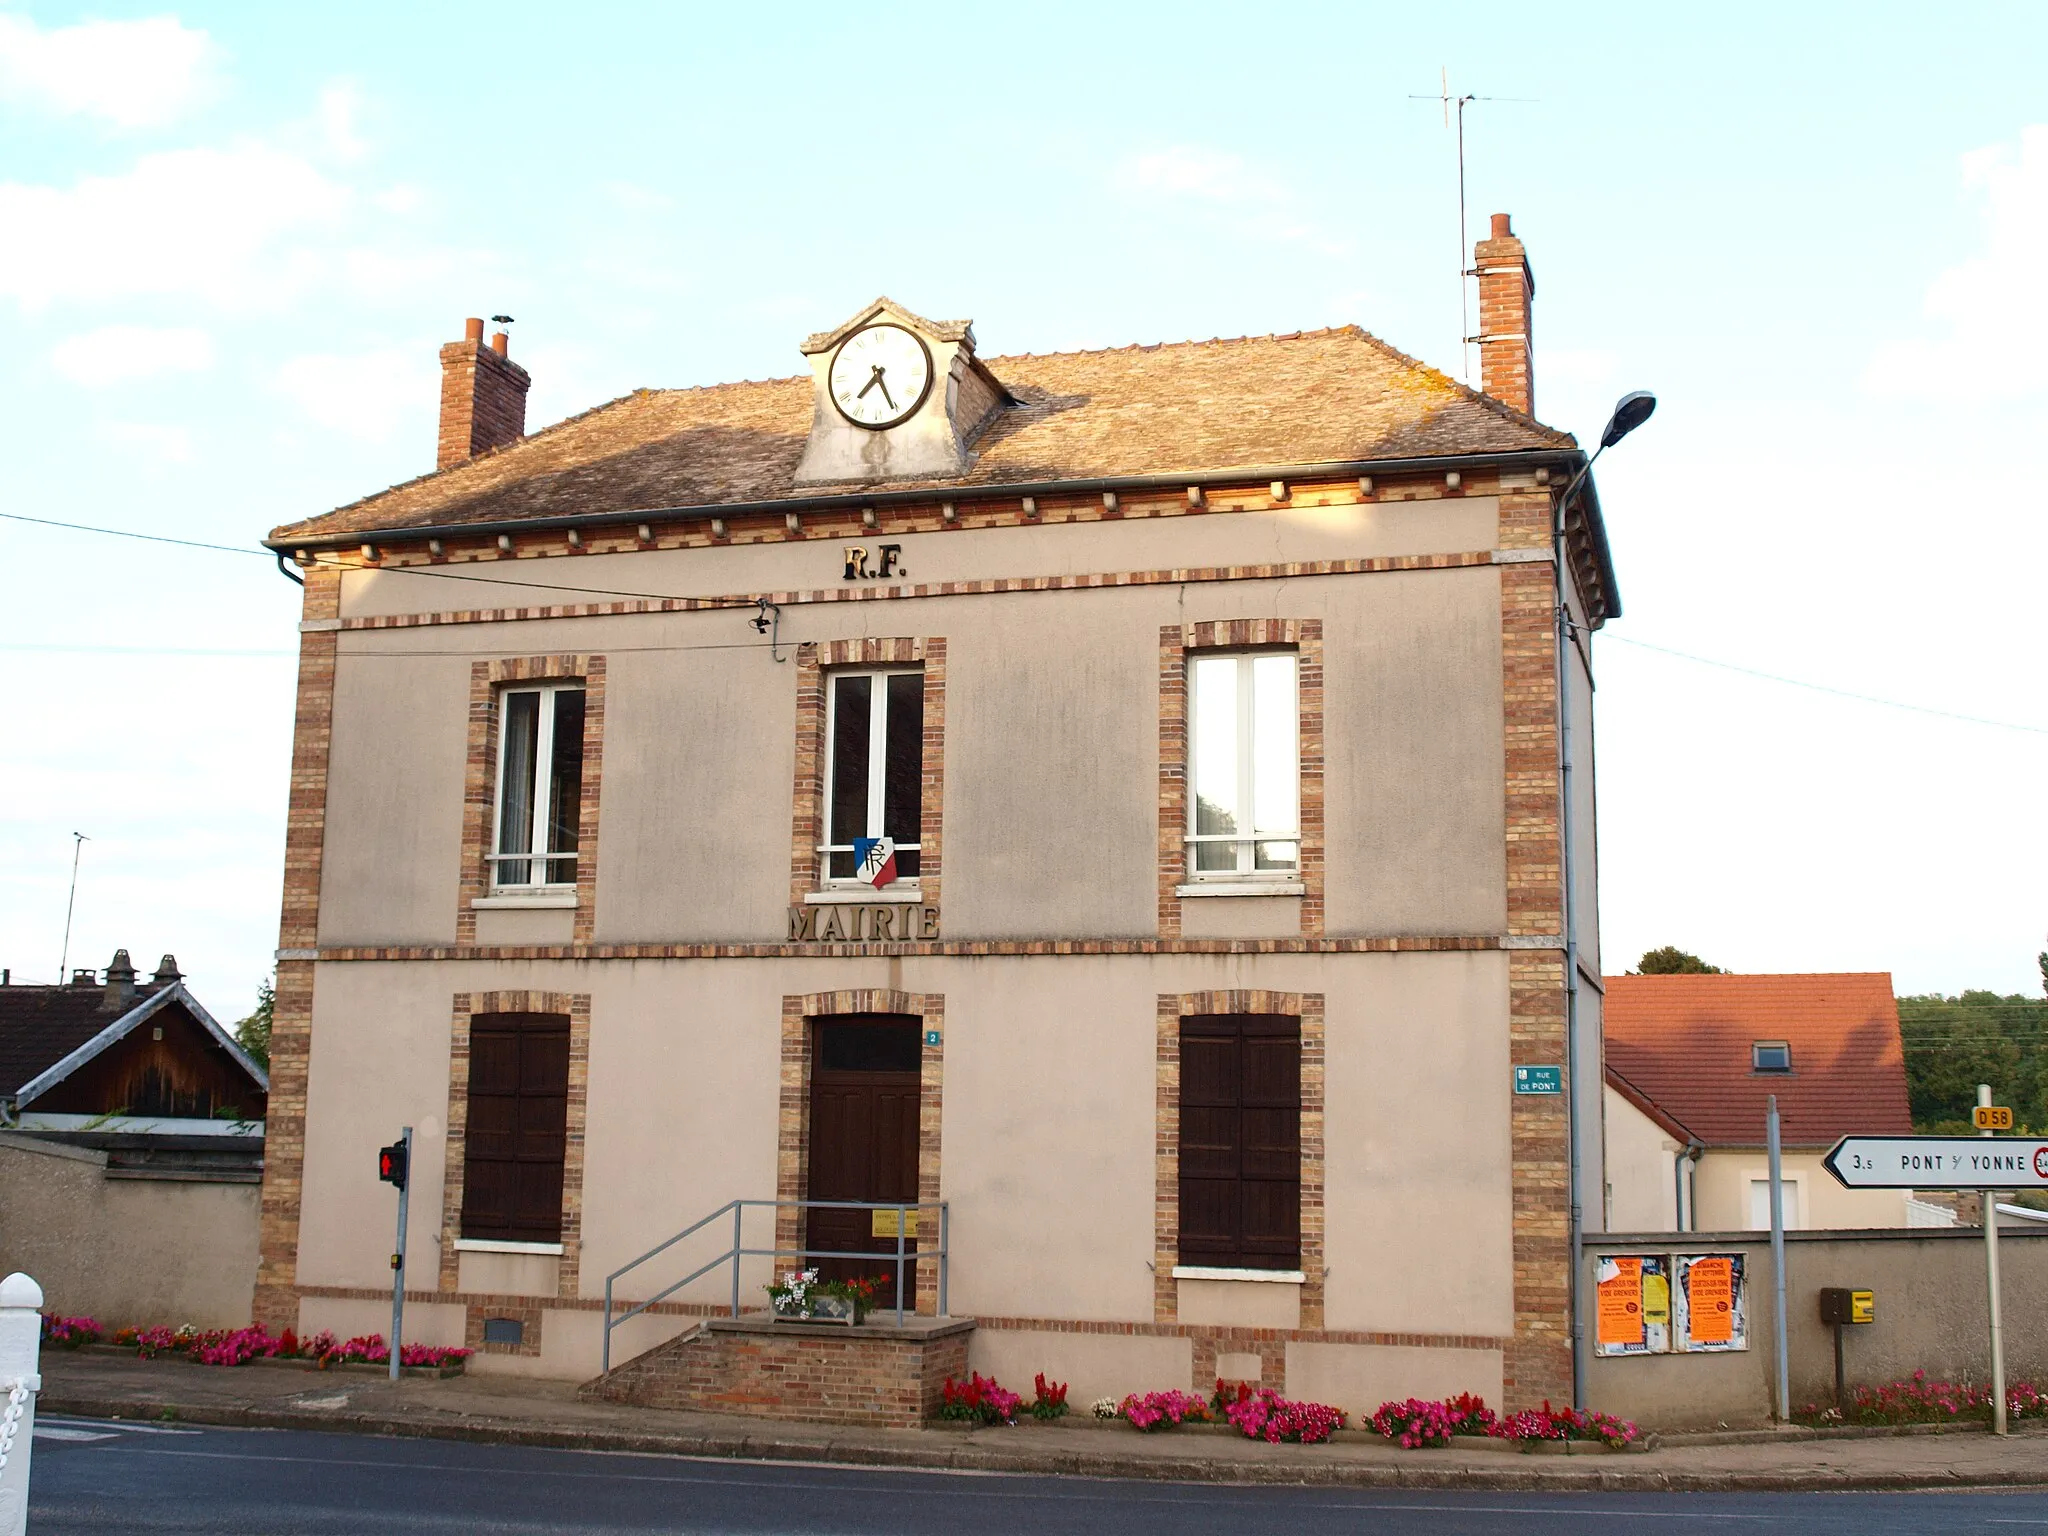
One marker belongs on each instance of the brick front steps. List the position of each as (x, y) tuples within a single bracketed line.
[(821, 1373)]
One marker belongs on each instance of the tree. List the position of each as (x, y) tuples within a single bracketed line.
[(253, 1033), (1954, 1043), (1673, 961)]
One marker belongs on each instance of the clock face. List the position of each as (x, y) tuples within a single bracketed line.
[(880, 375)]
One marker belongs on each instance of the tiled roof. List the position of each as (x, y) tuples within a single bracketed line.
[(40, 1026), (1684, 1043), (1315, 397)]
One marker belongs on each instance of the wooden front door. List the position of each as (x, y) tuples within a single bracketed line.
[(865, 1075)]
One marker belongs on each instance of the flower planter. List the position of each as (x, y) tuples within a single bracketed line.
[(820, 1309)]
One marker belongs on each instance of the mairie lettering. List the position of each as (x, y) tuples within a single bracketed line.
[(843, 923)]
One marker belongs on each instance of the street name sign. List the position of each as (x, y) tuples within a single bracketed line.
[(1939, 1162)]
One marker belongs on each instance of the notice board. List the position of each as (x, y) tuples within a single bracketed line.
[(1710, 1303)]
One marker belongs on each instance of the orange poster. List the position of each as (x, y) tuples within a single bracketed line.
[(1710, 1292), (1620, 1289)]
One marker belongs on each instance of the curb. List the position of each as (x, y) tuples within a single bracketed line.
[(767, 1447)]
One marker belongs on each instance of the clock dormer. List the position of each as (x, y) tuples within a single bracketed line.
[(896, 397)]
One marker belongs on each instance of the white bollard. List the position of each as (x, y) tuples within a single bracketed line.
[(21, 1342)]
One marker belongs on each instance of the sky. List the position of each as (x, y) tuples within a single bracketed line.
[(233, 236)]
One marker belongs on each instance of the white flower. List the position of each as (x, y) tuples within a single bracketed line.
[(1105, 1408)]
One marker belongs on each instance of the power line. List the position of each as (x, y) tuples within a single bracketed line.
[(124, 533), (711, 606), (1843, 693)]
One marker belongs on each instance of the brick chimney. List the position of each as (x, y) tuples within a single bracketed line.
[(1506, 290), (483, 396)]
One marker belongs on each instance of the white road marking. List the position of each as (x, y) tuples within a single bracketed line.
[(59, 1432)]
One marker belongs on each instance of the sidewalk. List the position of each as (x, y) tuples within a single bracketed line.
[(517, 1411)]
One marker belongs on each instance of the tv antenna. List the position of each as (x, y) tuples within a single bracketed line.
[(1455, 106), (78, 842)]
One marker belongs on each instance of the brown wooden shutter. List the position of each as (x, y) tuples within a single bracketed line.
[(518, 1127), (1240, 1141)]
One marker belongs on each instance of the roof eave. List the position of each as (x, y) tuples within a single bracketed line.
[(1562, 458)]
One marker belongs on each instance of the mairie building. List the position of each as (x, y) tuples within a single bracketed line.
[(1092, 819)]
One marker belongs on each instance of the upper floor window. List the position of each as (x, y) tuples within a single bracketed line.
[(1245, 766), (540, 786), (874, 777), (1770, 1056)]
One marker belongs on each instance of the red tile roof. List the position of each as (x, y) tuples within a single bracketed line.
[(1684, 1043)]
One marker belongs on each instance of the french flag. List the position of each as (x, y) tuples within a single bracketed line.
[(877, 859)]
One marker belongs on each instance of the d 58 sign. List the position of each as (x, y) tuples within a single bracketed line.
[(1939, 1162)]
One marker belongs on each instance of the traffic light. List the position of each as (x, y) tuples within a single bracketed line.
[(391, 1164)]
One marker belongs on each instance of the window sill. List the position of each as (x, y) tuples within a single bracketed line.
[(863, 896), (1205, 1272), (1241, 888), (515, 900), (494, 1245)]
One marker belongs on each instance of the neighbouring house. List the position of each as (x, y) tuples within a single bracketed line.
[(131, 1159), (1692, 1061), (1105, 801)]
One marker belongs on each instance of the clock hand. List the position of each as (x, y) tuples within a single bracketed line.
[(874, 379)]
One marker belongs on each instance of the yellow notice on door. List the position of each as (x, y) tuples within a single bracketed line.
[(884, 1224)]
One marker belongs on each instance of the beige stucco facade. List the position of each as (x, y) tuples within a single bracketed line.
[(1725, 1189), (1052, 968)]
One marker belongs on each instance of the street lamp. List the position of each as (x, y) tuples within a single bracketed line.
[(1630, 412)]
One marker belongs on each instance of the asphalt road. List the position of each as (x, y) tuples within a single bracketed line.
[(116, 1478)]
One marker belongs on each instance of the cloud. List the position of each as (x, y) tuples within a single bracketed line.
[(1209, 175), (150, 440), (207, 223), (117, 354), (132, 74), (1971, 307), (1258, 204), (340, 106), (362, 394)]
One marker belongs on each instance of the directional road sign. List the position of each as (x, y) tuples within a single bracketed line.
[(1939, 1162)]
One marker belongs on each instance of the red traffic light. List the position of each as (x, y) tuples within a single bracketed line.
[(391, 1164)]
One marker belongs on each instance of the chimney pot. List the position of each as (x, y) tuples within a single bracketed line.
[(501, 343), (120, 982), (1501, 227), (473, 329), (167, 972)]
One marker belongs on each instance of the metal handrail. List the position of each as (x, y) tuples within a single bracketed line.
[(732, 1255)]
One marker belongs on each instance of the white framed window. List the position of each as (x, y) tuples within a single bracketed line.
[(540, 787), (1244, 766), (874, 769)]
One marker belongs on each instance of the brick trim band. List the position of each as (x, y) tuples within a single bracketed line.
[(1064, 1325), (480, 786), (885, 948), (797, 597)]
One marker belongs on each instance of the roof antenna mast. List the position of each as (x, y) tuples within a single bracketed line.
[(78, 842), (1458, 103)]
